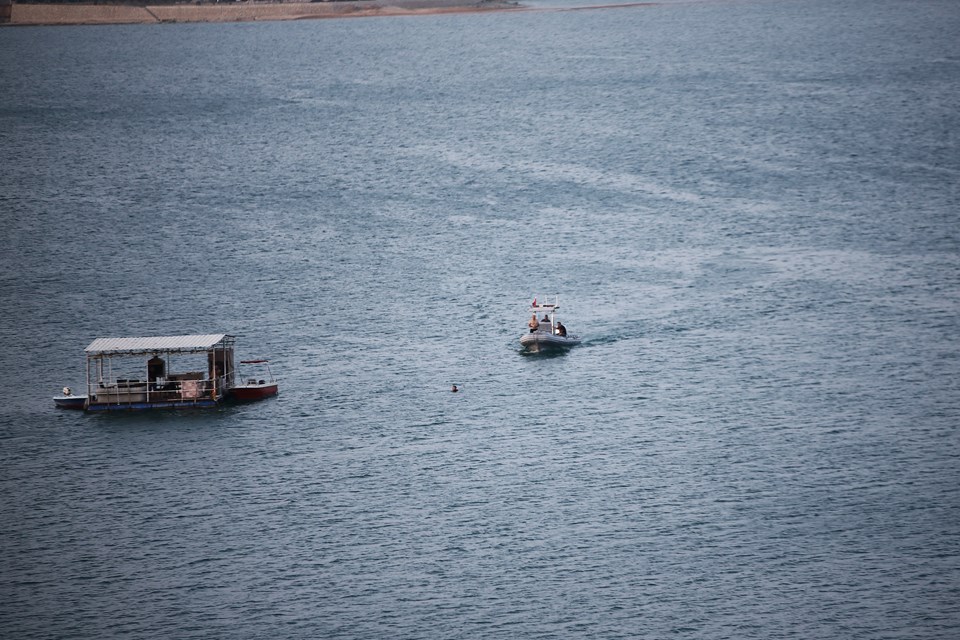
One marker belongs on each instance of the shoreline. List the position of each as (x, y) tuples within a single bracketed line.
[(241, 11), (35, 15)]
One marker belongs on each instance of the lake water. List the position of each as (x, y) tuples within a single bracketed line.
[(749, 210)]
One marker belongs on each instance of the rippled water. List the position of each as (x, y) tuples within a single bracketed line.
[(749, 210)]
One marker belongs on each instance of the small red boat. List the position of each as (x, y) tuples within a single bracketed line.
[(255, 388)]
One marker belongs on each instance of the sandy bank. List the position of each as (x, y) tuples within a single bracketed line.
[(54, 14)]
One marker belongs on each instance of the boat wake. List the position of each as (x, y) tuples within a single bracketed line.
[(596, 341)]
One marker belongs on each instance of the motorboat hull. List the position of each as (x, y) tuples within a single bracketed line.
[(540, 341), (251, 392)]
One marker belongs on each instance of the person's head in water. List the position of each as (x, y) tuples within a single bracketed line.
[(454, 388)]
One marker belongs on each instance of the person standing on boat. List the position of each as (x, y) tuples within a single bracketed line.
[(533, 324)]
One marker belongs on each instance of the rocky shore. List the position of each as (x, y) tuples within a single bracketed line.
[(243, 11)]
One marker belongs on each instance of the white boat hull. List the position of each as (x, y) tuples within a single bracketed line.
[(70, 402), (542, 341)]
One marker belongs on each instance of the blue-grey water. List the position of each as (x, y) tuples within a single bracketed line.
[(749, 209)]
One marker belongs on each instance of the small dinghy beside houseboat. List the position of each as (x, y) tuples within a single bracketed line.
[(66, 400), (255, 388), (546, 332)]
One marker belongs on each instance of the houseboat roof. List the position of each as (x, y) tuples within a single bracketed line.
[(155, 344)]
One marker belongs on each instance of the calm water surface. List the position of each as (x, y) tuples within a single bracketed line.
[(749, 210)]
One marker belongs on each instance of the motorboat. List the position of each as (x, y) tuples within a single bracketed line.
[(255, 388), (545, 332)]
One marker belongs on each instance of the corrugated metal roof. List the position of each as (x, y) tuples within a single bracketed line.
[(155, 343)]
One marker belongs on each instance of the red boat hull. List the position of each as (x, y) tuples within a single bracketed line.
[(254, 392)]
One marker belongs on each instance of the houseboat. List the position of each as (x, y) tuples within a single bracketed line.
[(159, 372)]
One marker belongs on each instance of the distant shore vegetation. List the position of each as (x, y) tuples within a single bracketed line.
[(144, 3)]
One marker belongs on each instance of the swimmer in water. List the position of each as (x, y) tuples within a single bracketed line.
[(454, 389)]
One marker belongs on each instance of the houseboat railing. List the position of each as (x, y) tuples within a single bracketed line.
[(131, 391)]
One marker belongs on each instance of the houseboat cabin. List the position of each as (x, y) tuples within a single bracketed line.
[(159, 372)]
